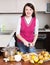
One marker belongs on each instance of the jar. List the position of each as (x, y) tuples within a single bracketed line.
[(5, 54)]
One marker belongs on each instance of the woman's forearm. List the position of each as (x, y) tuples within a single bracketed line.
[(21, 38), (35, 39)]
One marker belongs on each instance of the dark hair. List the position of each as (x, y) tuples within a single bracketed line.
[(31, 6)]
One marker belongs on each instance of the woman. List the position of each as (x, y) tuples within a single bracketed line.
[(27, 29)]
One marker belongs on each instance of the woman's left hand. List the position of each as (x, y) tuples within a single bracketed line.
[(32, 44)]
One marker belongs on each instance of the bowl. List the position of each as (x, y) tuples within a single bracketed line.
[(18, 58)]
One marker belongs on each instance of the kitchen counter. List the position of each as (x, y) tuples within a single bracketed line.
[(6, 32), (44, 30), (5, 38), (20, 63)]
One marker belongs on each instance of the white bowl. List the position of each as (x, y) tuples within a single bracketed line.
[(18, 57)]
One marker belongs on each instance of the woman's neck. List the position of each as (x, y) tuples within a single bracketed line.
[(28, 16)]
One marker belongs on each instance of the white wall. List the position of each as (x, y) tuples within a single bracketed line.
[(10, 20), (43, 19)]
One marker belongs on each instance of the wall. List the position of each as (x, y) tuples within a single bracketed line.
[(10, 20), (43, 19)]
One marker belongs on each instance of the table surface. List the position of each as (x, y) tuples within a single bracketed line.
[(2, 62)]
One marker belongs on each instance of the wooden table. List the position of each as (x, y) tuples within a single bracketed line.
[(20, 63)]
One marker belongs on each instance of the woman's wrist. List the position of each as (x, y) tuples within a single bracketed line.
[(23, 40), (33, 43)]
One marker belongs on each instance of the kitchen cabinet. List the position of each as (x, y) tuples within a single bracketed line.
[(8, 6), (16, 6), (43, 42), (40, 5), (47, 41)]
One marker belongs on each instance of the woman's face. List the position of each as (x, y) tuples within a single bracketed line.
[(28, 11)]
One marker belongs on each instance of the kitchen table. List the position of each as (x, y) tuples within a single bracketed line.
[(2, 62)]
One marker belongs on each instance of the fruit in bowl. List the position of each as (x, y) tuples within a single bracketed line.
[(18, 58)]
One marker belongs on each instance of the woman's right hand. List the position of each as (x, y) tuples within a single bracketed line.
[(26, 43)]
